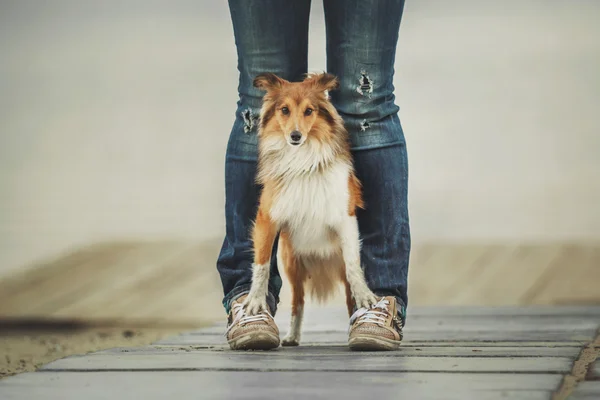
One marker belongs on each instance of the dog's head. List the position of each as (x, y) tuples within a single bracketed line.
[(298, 111)]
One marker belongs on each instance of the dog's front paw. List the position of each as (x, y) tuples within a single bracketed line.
[(255, 304), (365, 299), (290, 340)]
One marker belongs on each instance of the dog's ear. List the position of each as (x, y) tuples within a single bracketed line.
[(324, 81), (268, 81)]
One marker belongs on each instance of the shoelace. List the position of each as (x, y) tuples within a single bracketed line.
[(243, 318), (372, 314)]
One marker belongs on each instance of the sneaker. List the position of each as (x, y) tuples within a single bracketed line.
[(250, 332), (376, 328)]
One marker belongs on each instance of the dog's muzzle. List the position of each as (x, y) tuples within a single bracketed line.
[(295, 138)]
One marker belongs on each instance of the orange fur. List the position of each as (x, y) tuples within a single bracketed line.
[(356, 200), (295, 273), (263, 237), (349, 299)]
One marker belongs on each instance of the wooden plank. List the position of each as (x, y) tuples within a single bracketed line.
[(344, 351), (507, 324), (340, 337), (294, 389), (454, 324), (503, 324), (334, 316), (264, 361), (487, 311), (589, 390), (454, 327), (219, 340), (417, 343), (212, 384), (594, 370)]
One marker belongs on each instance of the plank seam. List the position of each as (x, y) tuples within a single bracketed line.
[(587, 357), (474, 355), (293, 370)]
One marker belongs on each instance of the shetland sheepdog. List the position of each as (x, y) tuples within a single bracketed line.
[(310, 194)]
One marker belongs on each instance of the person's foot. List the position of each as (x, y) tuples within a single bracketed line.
[(251, 332), (376, 328)]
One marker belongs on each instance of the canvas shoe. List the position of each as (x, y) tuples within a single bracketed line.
[(250, 332), (376, 328)]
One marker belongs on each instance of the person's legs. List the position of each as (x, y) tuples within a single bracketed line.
[(361, 48), (270, 36)]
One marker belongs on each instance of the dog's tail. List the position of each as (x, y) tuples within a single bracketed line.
[(324, 278)]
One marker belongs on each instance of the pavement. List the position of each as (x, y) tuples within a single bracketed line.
[(448, 353)]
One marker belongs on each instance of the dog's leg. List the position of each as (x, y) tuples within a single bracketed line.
[(263, 237), (293, 336), (349, 299), (350, 240), (296, 275), (348, 290)]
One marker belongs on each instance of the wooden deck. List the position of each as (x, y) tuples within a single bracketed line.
[(513, 351), (448, 353)]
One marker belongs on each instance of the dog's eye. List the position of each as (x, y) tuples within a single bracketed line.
[(308, 111), (285, 111)]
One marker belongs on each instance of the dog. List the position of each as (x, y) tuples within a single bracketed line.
[(310, 194)]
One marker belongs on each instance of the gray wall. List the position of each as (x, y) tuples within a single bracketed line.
[(114, 118)]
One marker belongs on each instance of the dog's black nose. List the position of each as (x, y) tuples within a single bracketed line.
[(296, 136)]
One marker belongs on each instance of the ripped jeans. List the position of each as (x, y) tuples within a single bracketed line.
[(272, 36)]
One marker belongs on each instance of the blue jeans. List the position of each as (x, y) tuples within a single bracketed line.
[(272, 36)]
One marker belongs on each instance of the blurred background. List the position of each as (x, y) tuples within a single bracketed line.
[(114, 117)]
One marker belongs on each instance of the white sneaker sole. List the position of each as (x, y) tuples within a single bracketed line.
[(373, 343), (255, 341)]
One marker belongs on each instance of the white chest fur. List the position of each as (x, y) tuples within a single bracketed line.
[(310, 205)]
